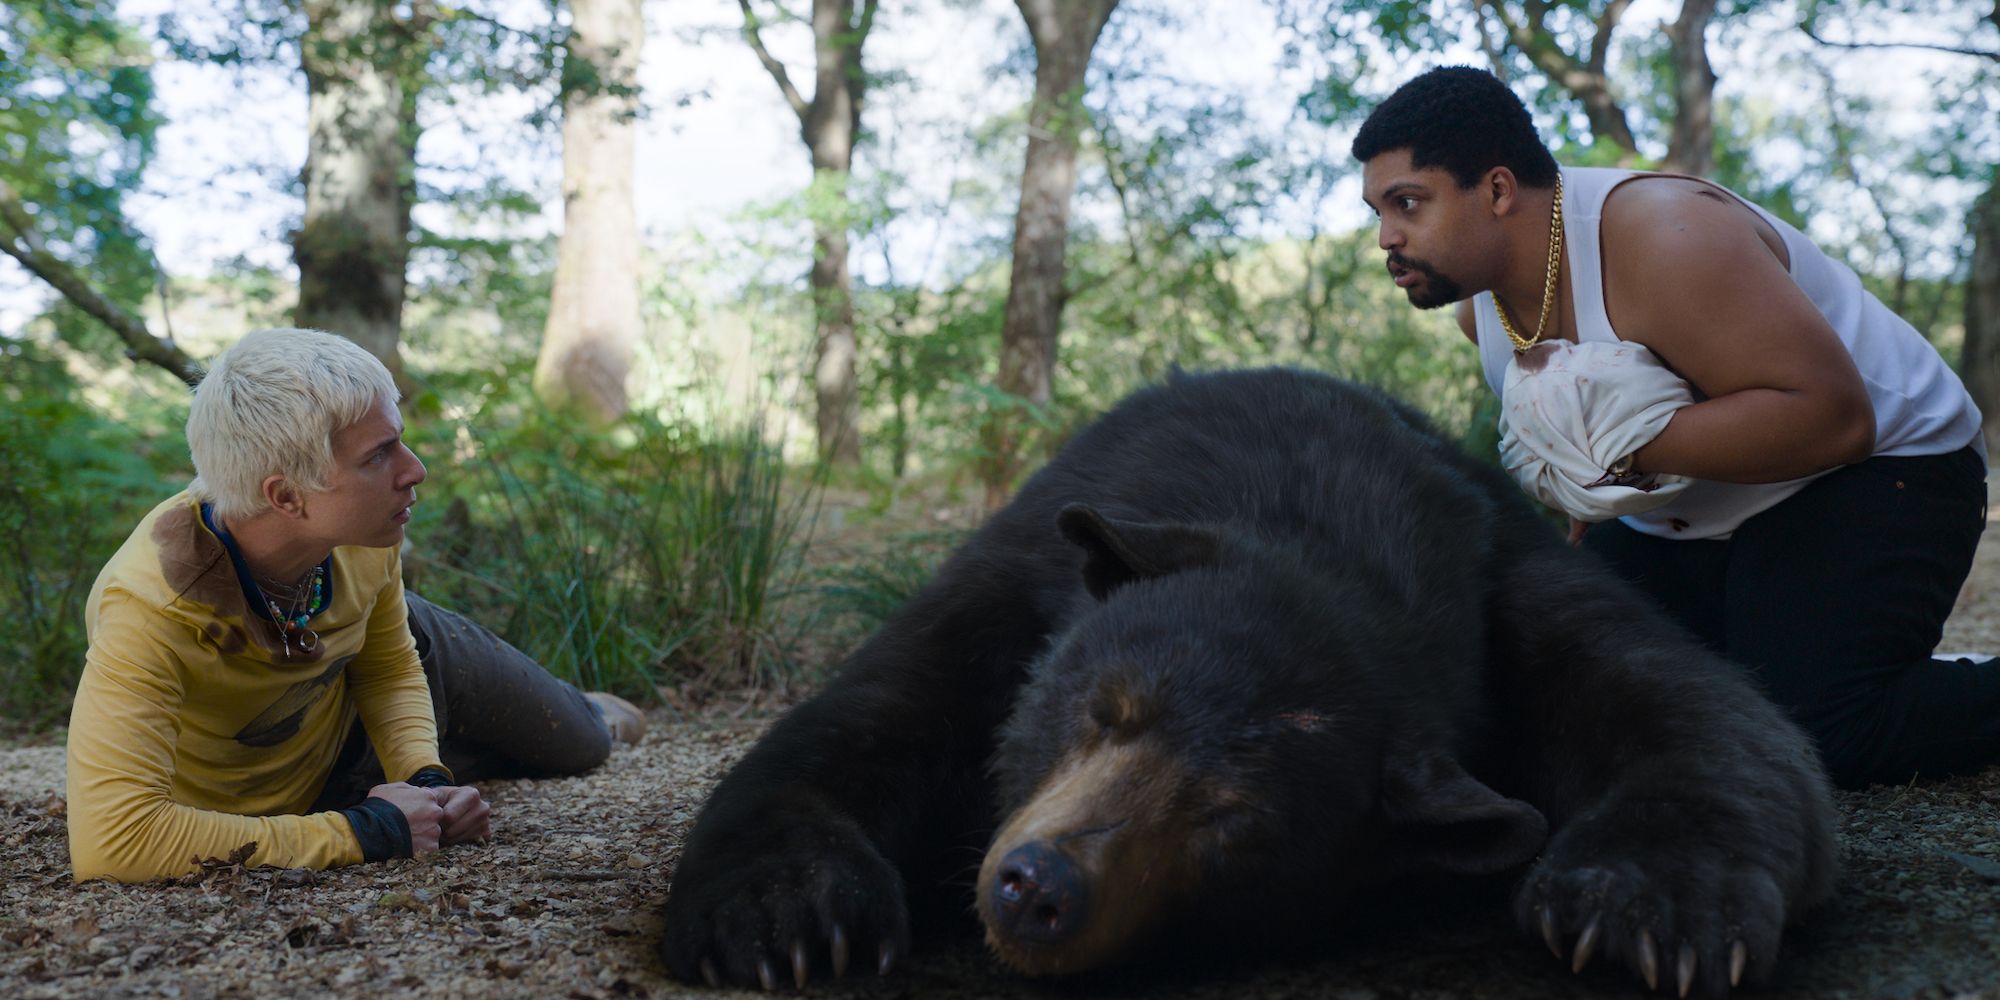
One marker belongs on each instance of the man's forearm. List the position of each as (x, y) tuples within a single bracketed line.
[(1759, 436)]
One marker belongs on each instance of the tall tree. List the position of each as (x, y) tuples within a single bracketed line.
[(1526, 31), (369, 66), (594, 319), (1063, 33), (1979, 359), (1571, 44), (361, 60), (1965, 41), (830, 125), (1691, 144)]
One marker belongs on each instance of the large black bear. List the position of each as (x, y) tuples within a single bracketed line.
[(1252, 643)]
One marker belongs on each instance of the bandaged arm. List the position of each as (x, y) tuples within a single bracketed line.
[(1571, 417)]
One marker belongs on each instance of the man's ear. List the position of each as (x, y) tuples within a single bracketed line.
[(1119, 552), (1502, 190), (1442, 819), (282, 496)]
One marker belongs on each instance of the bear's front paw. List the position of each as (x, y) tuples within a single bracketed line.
[(1694, 925), (746, 913)]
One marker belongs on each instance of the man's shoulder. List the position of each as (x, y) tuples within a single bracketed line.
[(1650, 198), (1660, 217), (166, 555)]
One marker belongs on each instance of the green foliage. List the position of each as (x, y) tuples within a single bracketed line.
[(1173, 260), (856, 595), (72, 485), (930, 360), (646, 557), (76, 131)]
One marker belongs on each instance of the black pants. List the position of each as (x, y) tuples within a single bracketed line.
[(1836, 598), (499, 714)]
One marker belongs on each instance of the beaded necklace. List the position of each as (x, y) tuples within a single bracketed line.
[(303, 602)]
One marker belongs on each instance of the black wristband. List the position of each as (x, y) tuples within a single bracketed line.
[(381, 829), (432, 777)]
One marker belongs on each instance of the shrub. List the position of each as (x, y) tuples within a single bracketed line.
[(72, 485)]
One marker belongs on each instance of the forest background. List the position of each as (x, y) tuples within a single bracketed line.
[(718, 323)]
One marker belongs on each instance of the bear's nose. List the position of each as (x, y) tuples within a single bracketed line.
[(1039, 895)]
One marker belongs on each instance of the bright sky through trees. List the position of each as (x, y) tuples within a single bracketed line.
[(717, 137)]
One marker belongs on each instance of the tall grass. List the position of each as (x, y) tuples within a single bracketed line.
[(860, 593), (627, 562)]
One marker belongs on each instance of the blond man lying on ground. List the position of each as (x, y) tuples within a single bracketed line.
[(256, 673)]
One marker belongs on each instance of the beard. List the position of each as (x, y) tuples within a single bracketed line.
[(1436, 289)]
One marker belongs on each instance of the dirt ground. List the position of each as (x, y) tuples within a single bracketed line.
[(565, 901)]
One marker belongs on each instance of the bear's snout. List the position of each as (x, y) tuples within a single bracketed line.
[(1085, 868), (1039, 895)]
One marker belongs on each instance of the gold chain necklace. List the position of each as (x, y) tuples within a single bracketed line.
[(1548, 286)]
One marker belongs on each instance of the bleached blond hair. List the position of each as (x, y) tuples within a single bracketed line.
[(271, 404)]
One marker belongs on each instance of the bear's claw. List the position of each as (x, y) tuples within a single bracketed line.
[(786, 905), (1586, 945), (1649, 959), (1694, 935)]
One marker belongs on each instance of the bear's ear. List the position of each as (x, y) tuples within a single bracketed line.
[(1442, 819), (1119, 552)]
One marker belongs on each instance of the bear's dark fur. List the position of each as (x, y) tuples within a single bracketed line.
[(1254, 642)]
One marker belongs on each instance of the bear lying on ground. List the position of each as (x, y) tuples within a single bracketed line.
[(1252, 644)]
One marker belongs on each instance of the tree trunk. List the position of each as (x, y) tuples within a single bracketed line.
[(1587, 78), (360, 62), (1063, 33), (594, 315), (829, 124), (1691, 149), (1979, 361), (836, 388)]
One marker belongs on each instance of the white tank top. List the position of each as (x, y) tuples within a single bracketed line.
[(1921, 408)]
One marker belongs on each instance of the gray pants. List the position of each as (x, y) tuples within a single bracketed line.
[(499, 714)]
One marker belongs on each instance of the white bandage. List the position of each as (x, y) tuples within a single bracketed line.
[(1569, 412)]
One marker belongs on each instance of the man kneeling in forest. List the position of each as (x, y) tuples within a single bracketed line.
[(256, 670)]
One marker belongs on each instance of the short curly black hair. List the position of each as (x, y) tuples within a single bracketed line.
[(1463, 120)]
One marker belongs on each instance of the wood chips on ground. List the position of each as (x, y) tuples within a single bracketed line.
[(565, 902)]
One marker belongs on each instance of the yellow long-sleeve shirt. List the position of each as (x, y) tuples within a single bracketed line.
[(193, 734)]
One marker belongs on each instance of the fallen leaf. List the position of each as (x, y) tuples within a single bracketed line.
[(79, 930)]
